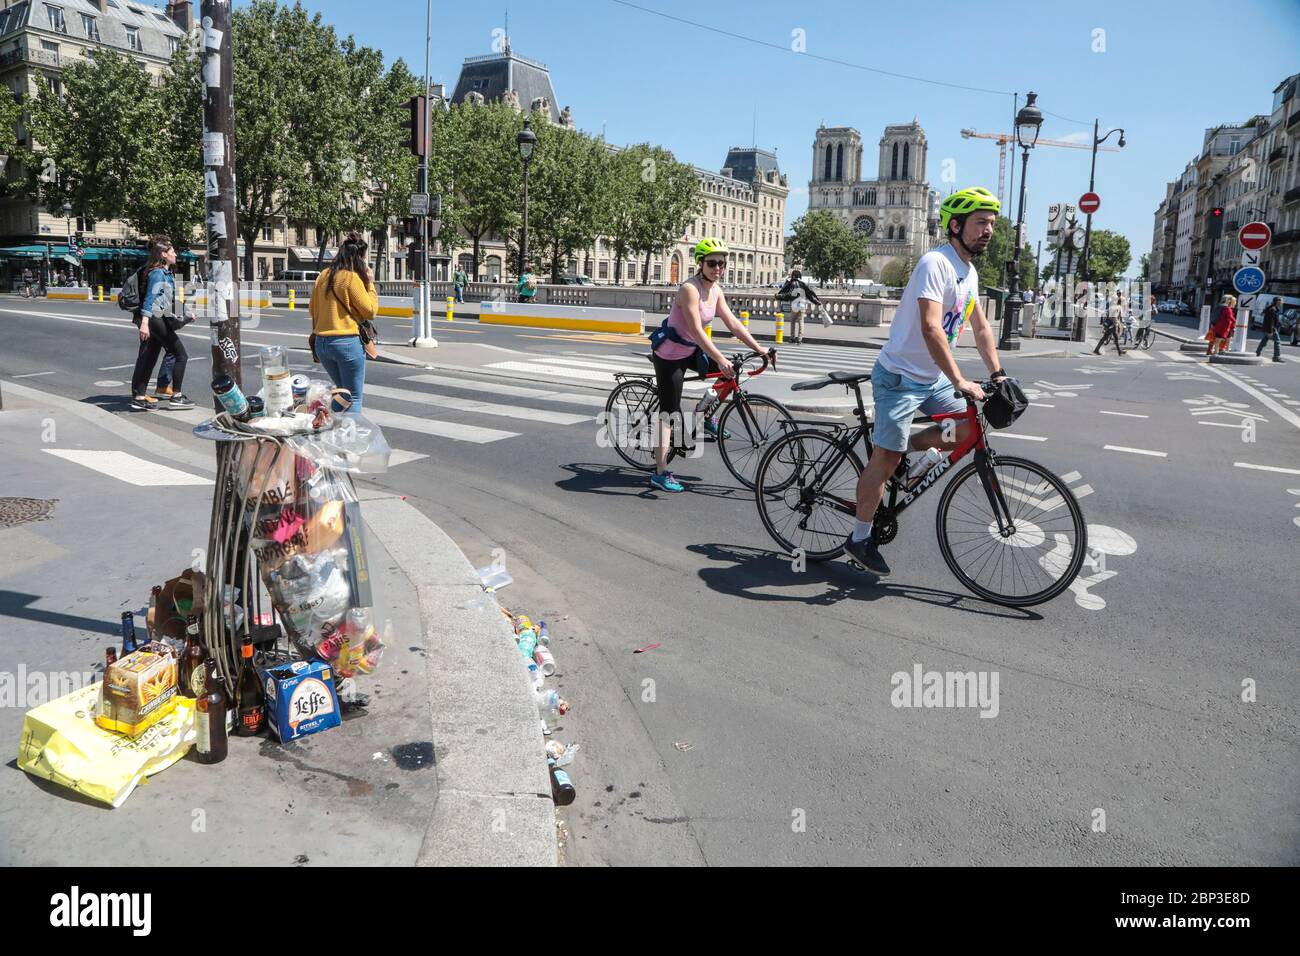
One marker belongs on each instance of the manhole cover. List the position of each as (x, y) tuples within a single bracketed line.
[(16, 511)]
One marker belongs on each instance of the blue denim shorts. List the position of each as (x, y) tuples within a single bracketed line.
[(898, 399)]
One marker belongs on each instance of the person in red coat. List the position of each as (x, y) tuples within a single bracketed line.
[(1224, 323)]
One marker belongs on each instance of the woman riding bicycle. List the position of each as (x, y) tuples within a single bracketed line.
[(699, 300)]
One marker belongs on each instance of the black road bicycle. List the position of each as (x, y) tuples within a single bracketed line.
[(1009, 529)]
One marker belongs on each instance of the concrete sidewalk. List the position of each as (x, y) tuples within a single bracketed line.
[(449, 690)]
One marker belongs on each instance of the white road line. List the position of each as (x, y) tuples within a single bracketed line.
[(644, 367), (522, 412), (497, 388), (535, 368), (1021, 437), (33, 374), (1178, 357), (113, 368), (1235, 425), (1284, 471), (128, 468), (1040, 405), (426, 426), (1136, 451), (1123, 414), (399, 457), (1286, 414)]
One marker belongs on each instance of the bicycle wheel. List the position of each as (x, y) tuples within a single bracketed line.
[(806, 491), (1043, 547), (746, 429), (630, 415), (1148, 337)]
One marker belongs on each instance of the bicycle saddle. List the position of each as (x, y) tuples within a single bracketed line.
[(834, 378)]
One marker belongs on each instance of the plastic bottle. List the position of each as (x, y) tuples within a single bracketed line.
[(548, 704), (921, 467), (536, 676), (542, 636), (527, 643), (562, 789)]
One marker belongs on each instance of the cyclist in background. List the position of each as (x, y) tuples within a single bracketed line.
[(916, 370), (698, 300)]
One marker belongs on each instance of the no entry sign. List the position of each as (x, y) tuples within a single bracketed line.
[(1255, 235), (1089, 203)]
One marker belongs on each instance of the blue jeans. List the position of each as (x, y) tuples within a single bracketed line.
[(344, 360), (460, 293)]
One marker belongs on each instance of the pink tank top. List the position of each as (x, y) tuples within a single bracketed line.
[(670, 350)]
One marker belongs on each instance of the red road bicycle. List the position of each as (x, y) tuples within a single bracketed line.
[(747, 424), (1009, 529)]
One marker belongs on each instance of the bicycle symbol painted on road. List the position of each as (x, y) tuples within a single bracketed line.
[(1103, 541)]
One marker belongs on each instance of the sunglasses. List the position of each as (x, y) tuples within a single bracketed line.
[(715, 263)]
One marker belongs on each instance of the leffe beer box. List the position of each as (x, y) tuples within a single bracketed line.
[(300, 699)]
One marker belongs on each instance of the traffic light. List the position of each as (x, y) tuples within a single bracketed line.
[(1216, 222), (417, 125), (1217, 211)]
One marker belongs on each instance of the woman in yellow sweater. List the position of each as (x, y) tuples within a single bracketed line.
[(344, 296)]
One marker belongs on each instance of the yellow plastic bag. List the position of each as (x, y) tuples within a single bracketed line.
[(62, 743)]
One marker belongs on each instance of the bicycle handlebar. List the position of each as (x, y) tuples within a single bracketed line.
[(740, 358), (986, 387)]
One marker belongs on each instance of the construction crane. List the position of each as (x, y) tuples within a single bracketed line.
[(1004, 138)]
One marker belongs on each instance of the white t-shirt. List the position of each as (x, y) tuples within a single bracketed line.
[(942, 277)]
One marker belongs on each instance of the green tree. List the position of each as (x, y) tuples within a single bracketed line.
[(827, 247), (478, 171), (897, 273), (88, 142), (390, 168), (10, 114), (1108, 255), (166, 191), (625, 201), (566, 186), (668, 200)]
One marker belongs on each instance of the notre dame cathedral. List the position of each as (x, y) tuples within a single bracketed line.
[(897, 209)]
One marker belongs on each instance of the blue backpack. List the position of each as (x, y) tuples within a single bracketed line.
[(667, 332)]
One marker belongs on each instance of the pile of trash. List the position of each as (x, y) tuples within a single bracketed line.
[(533, 643)]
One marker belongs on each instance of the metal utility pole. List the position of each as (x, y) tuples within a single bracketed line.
[(219, 189), (424, 326), (1085, 261)]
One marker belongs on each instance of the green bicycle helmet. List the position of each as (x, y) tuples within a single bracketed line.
[(964, 202), (710, 244)]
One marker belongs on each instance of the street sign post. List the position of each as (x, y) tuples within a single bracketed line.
[(1255, 235), (1250, 258), (419, 204), (1089, 203)]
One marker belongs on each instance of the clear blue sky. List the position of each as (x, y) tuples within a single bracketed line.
[(1170, 69)]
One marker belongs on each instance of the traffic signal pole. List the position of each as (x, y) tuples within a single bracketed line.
[(422, 326)]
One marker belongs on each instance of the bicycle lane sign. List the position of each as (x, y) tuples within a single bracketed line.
[(1248, 280)]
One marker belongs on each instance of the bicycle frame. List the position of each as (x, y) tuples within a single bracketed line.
[(899, 498)]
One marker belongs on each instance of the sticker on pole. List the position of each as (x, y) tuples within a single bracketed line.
[(1255, 235), (1247, 280), (1089, 203)]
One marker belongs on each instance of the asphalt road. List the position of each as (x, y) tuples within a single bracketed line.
[(761, 729)]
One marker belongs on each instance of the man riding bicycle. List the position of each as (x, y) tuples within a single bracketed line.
[(916, 370), (684, 346)]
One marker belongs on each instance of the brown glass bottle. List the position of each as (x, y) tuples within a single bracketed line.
[(193, 662), (250, 698), (154, 619), (110, 657), (213, 744)]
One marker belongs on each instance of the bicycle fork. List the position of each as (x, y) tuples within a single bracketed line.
[(993, 488)]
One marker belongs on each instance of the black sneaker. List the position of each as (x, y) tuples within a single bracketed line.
[(144, 404), (179, 401), (866, 554)]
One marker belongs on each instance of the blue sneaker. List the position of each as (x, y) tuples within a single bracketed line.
[(711, 427), (666, 482)]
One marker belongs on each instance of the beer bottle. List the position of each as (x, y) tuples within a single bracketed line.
[(213, 744), (129, 642), (193, 664), (154, 623), (250, 699), (110, 657), (562, 789)]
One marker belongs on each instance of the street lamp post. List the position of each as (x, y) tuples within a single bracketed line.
[(67, 216), (1028, 123), (1085, 262), (526, 139)]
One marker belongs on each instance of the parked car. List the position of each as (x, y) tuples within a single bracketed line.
[(575, 280), (1185, 309), (297, 275)]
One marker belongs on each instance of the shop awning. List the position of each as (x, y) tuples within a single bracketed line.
[(25, 252), (303, 254)]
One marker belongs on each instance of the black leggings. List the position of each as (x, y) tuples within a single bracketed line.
[(670, 375), (160, 337)]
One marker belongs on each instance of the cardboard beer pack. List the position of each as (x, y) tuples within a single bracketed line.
[(139, 690), (300, 699)]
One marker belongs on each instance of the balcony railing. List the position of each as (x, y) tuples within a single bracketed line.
[(1294, 120), (1286, 238), (1278, 153), (42, 57), (1291, 195)]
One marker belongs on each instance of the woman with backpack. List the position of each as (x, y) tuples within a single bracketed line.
[(158, 324), (343, 303), (798, 294)]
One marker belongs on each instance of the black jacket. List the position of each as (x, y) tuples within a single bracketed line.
[(791, 290), (1271, 315)]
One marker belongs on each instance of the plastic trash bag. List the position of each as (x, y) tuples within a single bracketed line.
[(62, 743)]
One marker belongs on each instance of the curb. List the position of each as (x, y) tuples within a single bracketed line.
[(389, 358), (1236, 358)]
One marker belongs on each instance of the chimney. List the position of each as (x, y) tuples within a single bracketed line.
[(180, 11)]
